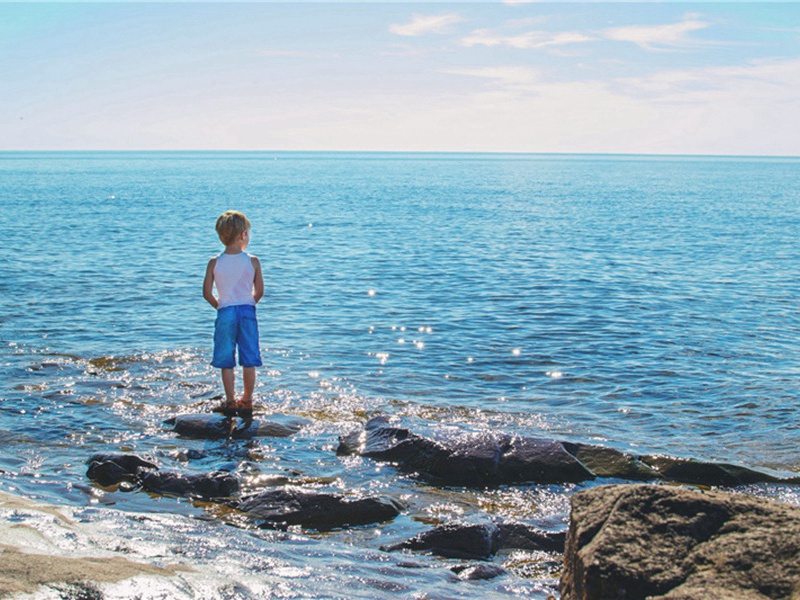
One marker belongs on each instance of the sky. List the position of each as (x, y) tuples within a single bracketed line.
[(719, 78)]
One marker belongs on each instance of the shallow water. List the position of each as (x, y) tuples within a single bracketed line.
[(645, 303)]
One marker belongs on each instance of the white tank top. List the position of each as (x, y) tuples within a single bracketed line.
[(234, 275)]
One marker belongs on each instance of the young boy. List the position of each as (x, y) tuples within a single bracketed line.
[(240, 285)]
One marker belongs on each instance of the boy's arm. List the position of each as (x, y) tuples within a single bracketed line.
[(258, 280), (208, 284)]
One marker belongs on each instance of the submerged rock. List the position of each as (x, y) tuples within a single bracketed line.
[(490, 459), (649, 541), (478, 572), (280, 508), (483, 540), (216, 426), (134, 472)]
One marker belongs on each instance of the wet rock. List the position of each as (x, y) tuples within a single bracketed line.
[(521, 536), (705, 473), (216, 426), (111, 469), (473, 460), (478, 572), (310, 509), (607, 462), (131, 472), (453, 541), (482, 540), (648, 541), (206, 486), (490, 459)]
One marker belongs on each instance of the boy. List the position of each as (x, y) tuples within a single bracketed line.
[(240, 285)]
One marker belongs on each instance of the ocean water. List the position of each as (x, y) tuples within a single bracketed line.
[(645, 303)]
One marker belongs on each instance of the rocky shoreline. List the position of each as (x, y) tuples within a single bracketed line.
[(624, 540)]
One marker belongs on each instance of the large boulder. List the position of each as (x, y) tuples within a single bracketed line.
[(480, 540), (490, 459), (649, 541), (311, 509), (212, 426)]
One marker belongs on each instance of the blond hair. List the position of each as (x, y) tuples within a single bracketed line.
[(230, 225)]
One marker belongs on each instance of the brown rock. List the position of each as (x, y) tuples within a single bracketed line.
[(629, 542)]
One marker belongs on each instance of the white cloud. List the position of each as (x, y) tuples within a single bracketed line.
[(424, 24), (653, 37), (531, 39)]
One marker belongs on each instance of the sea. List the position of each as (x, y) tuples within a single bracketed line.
[(646, 303)]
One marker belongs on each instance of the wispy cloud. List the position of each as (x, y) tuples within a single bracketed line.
[(650, 37), (531, 39), (425, 24), (778, 80), (297, 54), (654, 37), (506, 76)]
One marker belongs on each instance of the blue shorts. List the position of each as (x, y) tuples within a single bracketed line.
[(236, 326)]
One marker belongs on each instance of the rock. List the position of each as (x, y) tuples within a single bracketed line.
[(453, 541), (111, 469), (131, 471), (491, 459), (477, 572), (659, 542), (278, 509), (705, 473), (520, 536), (216, 426), (483, 540), (607, 462), (206, 486), (474, 460)]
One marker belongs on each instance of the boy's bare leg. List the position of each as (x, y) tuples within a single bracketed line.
[(229, 383), (249, 378)]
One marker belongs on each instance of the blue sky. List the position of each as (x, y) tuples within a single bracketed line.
[(631, 77)]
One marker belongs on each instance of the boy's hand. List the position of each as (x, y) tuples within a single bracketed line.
[(258, 280), (208, 284)]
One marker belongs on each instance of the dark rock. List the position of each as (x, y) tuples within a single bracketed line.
[(489, 459), (540, 461), (471, 541), (216, 426), (477, 572), (472, 460), (111, 469), (648, 541), (454, 540), (607, 462), (520, 536), (283, 507), (704, 473), (206, 486), (131, 472)]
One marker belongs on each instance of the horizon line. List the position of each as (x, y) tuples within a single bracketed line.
[(464, 152)]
